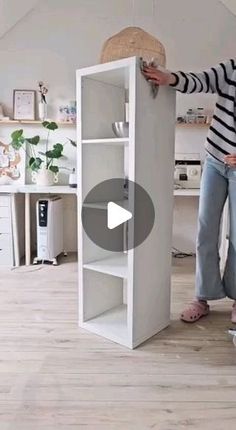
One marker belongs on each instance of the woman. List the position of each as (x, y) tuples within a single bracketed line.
[(218, 183)]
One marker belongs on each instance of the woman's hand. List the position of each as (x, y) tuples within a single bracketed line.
[(230, 160), (158, 77)]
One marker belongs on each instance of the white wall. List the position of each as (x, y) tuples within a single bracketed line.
[(60, 36), (12, 11)]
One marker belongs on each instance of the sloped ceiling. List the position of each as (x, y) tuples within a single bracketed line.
[(230, 4), (12, 11)]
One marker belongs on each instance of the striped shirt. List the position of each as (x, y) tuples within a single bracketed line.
[(220, 80)]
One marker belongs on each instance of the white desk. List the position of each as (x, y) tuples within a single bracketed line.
[(224, 227), (27, 190), (65, 189)]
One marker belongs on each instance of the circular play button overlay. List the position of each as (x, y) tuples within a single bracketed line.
[(118, 215)]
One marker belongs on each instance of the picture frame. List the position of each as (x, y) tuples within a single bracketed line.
[(24, 102)]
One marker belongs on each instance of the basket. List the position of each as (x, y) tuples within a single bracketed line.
[(133, 41)]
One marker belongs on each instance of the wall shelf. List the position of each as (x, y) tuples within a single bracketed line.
[(186, 125), (36, 122)]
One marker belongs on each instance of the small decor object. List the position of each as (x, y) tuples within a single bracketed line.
[(42, 157), (195, 116), (24, 105), (73, 179), (12, 165), (43, 90), (120, 129), (133, 41), (67, 113)]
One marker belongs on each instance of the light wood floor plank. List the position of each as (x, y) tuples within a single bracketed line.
[(54, 376)]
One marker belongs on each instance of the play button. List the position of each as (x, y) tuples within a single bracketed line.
[(116, 215)]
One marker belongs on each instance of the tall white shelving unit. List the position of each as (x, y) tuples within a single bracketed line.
[(125, 297)]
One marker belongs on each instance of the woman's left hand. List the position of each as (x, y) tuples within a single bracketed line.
[(230, 160)]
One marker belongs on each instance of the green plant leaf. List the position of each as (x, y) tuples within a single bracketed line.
[(16, 134), (56, 152), (58, 147), (49, 154), (54, 169), (36, 164), (45, 123), (50, 125), (31, 161), (73, 142), (33, 140), (17, 144)]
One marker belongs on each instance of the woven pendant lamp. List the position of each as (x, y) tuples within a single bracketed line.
[(133, 41)]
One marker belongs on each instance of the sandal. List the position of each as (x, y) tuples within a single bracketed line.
[(233, 314), (194, 311)]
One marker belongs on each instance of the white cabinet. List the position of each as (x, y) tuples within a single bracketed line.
[(125, 297), (6, 247)]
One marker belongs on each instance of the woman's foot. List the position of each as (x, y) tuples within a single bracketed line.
[(233, 314), (196, 310)]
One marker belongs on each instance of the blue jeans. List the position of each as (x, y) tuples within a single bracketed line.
[(218, 183)]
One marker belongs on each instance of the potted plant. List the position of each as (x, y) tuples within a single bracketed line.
[(42, 163)]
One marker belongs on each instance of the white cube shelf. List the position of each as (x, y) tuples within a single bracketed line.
[(125, 297)]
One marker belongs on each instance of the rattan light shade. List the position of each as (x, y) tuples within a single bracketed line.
[(133, 41)]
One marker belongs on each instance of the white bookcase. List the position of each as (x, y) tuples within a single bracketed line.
[(125, 297)]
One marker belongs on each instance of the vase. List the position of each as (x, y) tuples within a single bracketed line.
[(44, 177), (42, 111)]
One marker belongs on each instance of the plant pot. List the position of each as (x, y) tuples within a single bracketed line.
[(44, 177), (42, 111)]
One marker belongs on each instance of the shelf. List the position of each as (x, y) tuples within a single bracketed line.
[(116, 265), (111, 324), (186, 125), (13, 121), (103, 205), (190, 192), (107, 141)]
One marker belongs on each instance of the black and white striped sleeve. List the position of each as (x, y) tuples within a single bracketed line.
[(209, 81)]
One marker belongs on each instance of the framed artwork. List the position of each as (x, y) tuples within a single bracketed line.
[(12, 165), (24, 105)]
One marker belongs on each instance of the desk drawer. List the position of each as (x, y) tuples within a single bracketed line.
[(5, 225), (5, 201), (4, 212), (5, 241), (6, 257)]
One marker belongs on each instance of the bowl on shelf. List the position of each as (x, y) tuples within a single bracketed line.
[(120, 128)]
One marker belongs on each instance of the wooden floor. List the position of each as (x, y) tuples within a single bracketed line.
[(54, 376)]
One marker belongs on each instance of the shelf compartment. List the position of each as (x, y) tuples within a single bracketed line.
[(107, 141), (103, 205), (116, 265), (112, 324)]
